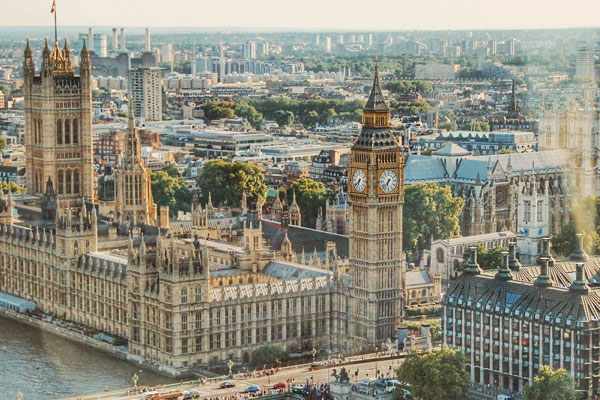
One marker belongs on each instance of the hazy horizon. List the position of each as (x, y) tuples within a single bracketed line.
[(307, 15)]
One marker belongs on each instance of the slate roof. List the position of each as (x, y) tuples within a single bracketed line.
[(424, 169), (417, 278), (290, 271), (376, 138), (376, 101), (452, 150)]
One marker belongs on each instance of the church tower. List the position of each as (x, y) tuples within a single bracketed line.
[(58, 125), (134, 202), (376, 194)]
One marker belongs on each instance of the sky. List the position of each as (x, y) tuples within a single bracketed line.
[(308, 14)]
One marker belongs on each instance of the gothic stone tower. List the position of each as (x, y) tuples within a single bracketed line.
[(58, 125), (376, 191), (134, 203)]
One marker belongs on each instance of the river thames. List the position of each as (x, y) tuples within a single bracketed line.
[(44, 367)]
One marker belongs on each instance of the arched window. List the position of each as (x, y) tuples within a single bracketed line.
[(440, 255), (67, 131), (76, 182), (68, 182), (59, 131), (61, 182), (75, 131)]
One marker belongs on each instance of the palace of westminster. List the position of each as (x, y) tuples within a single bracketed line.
[(183, 296), (179, 296)]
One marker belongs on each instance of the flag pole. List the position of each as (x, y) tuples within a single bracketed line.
[(55, 25)]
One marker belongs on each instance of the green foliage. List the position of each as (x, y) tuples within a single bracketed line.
[(246, 110), (585, 218), (308, 112), (12, 187), (480, 125), (218, 110), (310, 195), (431, 212), (550, 384), (439, 375), (489, 258), (268, 356), (226, 181), (169, 189), (406, 87)]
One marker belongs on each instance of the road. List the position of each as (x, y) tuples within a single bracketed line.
[(299, 375)]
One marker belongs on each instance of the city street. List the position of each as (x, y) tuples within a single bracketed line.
[(298, 375)]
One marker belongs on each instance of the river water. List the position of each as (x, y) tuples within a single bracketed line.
[(44, 367)]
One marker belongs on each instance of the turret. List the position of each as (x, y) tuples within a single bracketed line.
[(471, 266), (543, 280), (579, 254), (28, 65), (504, 273)]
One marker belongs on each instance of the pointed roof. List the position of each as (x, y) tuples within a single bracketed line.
[(376, 101)]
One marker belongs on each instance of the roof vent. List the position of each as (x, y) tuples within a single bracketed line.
[(513, 261), (579, 254), (471, 267), (543, 280), (579, 285), (504, 273)]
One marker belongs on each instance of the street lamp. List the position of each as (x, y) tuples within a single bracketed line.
[(314, 353), (230, 365)]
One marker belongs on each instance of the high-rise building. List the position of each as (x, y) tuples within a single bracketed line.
[(328, 45), (584, 66), (166, 53), (376, 191), (147, 40), (101, 44), (145, 93), (250, 50), (317, 40), (58, 125), (90, 40), (263, 49)]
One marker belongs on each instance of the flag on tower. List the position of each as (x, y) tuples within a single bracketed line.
[(53, 9)]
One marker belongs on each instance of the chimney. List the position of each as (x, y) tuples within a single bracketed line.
[(147, 43), (543, 280), (471, 267), (546, 252), (123, 39), (115, 39), (513, 262), (503, 273), (579, 285), (579, 253)]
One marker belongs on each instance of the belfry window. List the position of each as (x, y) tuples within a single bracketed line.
[(68, 182), (75, 131), (59, 131), (67, 131), (75, 182), (61, 182)]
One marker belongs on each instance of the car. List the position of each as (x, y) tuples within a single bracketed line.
[(252, 389), (191, 394), (226, 385), (279, 386), (298, 389)]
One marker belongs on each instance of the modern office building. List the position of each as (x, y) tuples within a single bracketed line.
[(145, 90)]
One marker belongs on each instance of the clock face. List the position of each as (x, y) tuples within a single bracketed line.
[(388, 181), (359, 181)]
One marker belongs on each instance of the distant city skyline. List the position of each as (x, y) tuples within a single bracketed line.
[(308, 14)]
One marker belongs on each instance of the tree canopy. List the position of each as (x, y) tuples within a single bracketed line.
[(550, 384), (439, 375), (489, 258), (310, 195), (431, 212), (585, 218), (169, 189), (218, 110), (268, 356), (227, 180)]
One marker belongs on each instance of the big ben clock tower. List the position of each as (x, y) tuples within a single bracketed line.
[(376, 190)]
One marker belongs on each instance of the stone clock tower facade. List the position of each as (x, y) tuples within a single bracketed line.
[(376, 191)]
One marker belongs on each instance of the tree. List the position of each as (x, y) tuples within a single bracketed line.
[(12, 187), (439, 375), (226, 181), (489, 258), (268, 355), (551, 384), (311, 196), (218, 110), (585, 219), (246, 110), (169, 189), (284, 118), (431, 212)]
